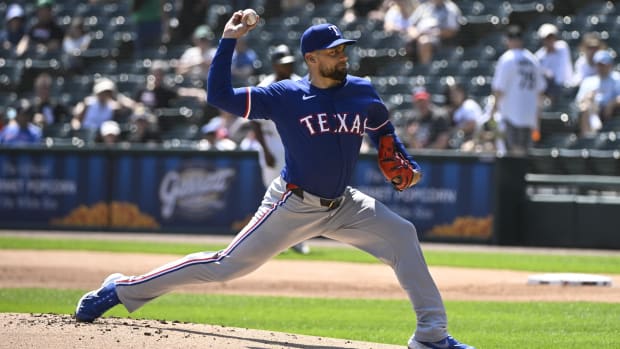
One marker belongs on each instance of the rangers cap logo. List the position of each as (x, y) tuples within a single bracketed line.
[(322, 36)]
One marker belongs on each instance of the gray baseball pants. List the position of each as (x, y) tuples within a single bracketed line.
[(285, 219)]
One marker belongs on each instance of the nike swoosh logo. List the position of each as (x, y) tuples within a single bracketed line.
[(305, 98)]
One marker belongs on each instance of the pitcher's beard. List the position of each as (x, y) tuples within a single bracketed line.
[(335, 73)]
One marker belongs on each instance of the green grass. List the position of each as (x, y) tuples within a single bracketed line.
[(484, 324), (492, 260)]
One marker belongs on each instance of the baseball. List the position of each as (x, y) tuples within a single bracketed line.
[(250, 17)]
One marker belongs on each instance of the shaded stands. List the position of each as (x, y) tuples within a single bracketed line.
[(380, 56)]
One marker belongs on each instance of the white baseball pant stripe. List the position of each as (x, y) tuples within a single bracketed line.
[(283, 220)]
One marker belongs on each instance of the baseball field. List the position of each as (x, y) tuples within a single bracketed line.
[(336, 297)]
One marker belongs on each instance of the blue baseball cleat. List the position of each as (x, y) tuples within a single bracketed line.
[(446, 343), (94, 303)]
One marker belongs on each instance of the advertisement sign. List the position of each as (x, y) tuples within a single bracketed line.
[(197, 192), (157, 191), (216, 192), (36, 188)]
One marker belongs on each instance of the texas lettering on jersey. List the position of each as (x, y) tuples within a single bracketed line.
[(339, 123)]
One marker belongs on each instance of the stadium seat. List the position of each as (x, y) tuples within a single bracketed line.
[(61, 142), (605, 162), (544, 161), (598, 8), (57, 130), (182, 132), (556, 122), (10, 74), (332, 11), (612, 125), (575, 162), (609, 141), (586, 142), (87, 135), (556, 140)]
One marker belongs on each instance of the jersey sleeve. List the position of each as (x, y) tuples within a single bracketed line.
[(242, 101), (379, 115)]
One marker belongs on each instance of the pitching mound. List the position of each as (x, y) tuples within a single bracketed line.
[(61, 331)]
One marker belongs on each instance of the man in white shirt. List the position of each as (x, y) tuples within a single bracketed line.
[(432, 23), (196, 60), (518, 86), (555, 59)]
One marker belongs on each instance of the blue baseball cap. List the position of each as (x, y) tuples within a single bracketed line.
[(322, 36), (603, 57)]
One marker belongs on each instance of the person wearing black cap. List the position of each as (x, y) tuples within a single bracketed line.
[(518, 86), (45, 35), (21, 130), (322, 120)]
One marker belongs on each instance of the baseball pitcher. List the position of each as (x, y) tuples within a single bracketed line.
[(321, 120)]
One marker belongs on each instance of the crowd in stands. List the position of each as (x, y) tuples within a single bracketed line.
[(452, 72)]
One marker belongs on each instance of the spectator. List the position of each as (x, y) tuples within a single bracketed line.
[(429, 127), (584, 65), (14, 28), (143, 127), (264, 132), (151, 25), (433, 23), (75, 42), (196, 60), (365, 9), (555, 59), (46, 110), (106, 104), (45, 36), (599, 95), (397, 17), (518, 86), (292, 6), (20, 130), (191, 14), (271, 155), (465, 114), (243, 62), (155, 94), (110, 132), (215, 137), (231, 126), (250, 143)]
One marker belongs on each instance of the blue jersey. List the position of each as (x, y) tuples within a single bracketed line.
[(321, 129)]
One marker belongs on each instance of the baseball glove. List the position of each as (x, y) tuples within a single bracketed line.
[(395, 167)]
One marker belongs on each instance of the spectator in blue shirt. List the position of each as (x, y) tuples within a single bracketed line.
[(598, 97), (20, 130), (243, 62)]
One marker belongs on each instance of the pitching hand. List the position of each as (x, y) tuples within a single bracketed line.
[(235, 28)]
